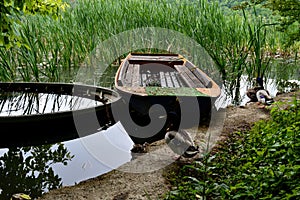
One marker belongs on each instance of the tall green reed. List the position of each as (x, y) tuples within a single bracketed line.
[(56, 49)]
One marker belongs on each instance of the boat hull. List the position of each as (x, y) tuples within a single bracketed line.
[(49, 128), (162, 92), (175, 112)]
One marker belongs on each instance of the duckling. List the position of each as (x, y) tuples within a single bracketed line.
[(181, 143)]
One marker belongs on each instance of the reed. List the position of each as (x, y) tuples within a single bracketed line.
[(55, 50)]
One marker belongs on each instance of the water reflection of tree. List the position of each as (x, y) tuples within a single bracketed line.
[(29, 169)]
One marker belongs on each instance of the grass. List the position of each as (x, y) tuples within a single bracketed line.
[(262, 163), (54, 50)]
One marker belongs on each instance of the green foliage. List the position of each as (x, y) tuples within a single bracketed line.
[(260, 164), (289, 10), (12, 12), (287, 86), (29, 169), (53, 50)]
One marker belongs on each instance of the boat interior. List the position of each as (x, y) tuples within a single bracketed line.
[(170, 71)]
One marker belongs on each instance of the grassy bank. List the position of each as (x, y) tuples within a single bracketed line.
[(262, 163)]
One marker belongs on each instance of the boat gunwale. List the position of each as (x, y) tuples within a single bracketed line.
[(69, 91)]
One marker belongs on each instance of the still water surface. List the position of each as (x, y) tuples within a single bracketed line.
[(25, 103)]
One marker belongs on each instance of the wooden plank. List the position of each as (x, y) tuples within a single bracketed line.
[(169, 79), (202, 77), (183, 74), (122, 73), (128, 78), (175, 80), (199, 74), (196, 81), (191, 78), (144, 79), (154, 58), (136, 79), (148, 78), (162, 79)]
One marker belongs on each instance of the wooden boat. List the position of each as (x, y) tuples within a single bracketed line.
[(144, 80), (46, 113)]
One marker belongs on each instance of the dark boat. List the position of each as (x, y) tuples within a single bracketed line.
[(46, 113), (170, 80)]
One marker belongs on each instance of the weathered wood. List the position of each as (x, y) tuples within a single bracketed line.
[(169, 60), (122, 73), (189, 77), (159, 73), (169, 80), (135, 81), (162, 79), (154, 58), (199, 74), (175, 79), (183, 74), (144, 79), (128, 76)]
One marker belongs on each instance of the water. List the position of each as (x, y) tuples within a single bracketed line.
[(223, 101), (25, 103), (114, 143)]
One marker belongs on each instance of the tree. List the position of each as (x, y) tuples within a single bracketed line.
[(290, 12), (12, 11)]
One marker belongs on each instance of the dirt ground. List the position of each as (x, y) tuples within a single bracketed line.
[(120, 184)]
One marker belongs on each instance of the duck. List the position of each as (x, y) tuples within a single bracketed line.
[(181, 143), (140, 148), (259, 93), (264, 97)]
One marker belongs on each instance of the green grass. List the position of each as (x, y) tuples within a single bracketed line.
[(262, 163), (54, 50)]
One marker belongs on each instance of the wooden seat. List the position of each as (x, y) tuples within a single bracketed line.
[(199, 74), (130, 75), (188, 77)]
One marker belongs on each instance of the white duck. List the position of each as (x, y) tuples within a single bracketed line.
[(181, 143)]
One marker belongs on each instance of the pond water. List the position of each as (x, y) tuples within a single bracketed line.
[(28, 103), (225, 100)]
